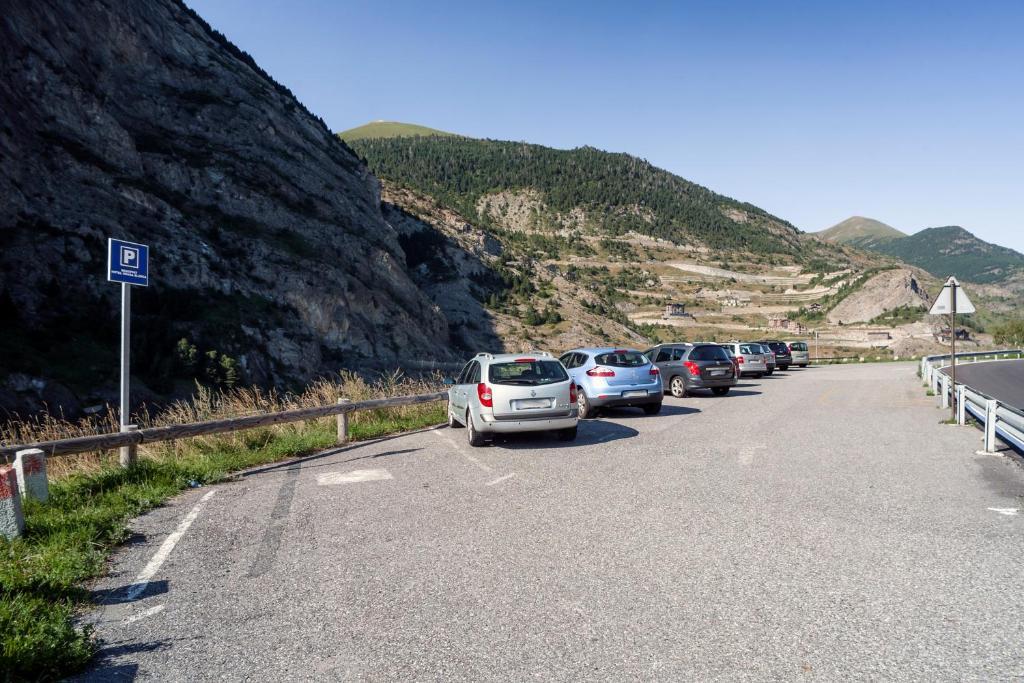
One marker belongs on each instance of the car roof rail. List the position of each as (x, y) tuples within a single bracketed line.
[(538, 353), (484, 354)]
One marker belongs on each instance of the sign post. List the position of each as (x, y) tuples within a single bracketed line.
[(952, 299), (127, 263)]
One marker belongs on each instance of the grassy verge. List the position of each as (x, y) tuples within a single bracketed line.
[(68, 540)]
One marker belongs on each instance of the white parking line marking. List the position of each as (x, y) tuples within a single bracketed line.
[(143, 614), (461, 452), (1010, 512), (147, 573), (353, 477), (500, 479)]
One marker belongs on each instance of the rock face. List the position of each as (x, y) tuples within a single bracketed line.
[(888, 290), (138, 121)]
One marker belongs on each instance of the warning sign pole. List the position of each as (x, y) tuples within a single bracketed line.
[(952, 347)]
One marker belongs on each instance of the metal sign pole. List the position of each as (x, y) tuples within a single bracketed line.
[(126, 323), (952, 344)]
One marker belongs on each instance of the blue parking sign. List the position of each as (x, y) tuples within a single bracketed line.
[(128, 262)]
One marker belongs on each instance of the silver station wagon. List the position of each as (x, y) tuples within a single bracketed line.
[(503, 393), (750, 359)]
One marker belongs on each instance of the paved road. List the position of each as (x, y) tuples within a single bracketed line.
[(820, 524), (1002, 380)]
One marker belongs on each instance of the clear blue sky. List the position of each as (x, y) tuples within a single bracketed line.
[(911, 113)]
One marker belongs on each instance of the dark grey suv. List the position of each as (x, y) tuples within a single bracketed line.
[(686, 367)]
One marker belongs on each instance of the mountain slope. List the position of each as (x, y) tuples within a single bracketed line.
[(389, 129), (268, 245), (583, 189), (952, 250), (861, 232)]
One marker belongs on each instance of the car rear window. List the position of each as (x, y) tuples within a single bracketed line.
[(709, 353), (621, 359), (749, 348), (527, 372), (779, 347), (799, 346)]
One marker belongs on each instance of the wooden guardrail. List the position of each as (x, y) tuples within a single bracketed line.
[(104, 442)]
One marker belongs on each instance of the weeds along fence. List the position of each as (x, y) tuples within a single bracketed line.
[(348, 398)]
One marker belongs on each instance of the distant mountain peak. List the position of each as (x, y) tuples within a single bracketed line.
[(860, 231), (390, 129)]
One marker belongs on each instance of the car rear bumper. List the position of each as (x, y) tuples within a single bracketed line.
[(752, 371), (708, 383), (611, 400), (490, 425)]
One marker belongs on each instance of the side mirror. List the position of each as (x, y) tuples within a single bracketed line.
[(448, 382)]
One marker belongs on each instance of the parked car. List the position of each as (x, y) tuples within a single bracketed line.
[(769, 357), (801, 355), (610, 377), (749, 358), (783, 358), (686, 367), (502, 393)]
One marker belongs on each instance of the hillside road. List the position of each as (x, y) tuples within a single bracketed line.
[(1002, 380), (820, 524)]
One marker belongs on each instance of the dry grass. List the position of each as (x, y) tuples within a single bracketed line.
[(208, 404)]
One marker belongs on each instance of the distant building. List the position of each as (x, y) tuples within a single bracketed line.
[(942, 335), (675, 311), (814, 308), (781, 323)]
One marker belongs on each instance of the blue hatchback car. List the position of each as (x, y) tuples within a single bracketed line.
[(610, 377)]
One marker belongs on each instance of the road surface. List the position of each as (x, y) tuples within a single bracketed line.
[(819, 524), (1002, 380)]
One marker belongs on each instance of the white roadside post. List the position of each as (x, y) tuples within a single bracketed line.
[(944, 399), (342, 436), (127, 263), (961, 407), (30, 466), (991, 407), (12, 522)]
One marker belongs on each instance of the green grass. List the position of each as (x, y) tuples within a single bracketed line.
[(68, 539)]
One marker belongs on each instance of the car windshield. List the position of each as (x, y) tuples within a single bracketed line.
[(621, 359), (527, 372)]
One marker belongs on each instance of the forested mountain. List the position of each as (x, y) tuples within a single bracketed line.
[(388, 129), (949, 250), (952, 250), (860, 232), (587, 188)]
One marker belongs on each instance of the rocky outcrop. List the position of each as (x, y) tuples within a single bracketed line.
[(138, 121), (888, 290)]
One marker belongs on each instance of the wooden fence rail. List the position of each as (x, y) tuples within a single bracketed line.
[(104, 442)]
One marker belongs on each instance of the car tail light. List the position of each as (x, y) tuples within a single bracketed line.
[(621, 351), (526, 360), (601, 372), (486, 397), (655, 371), (572, 392), (739, 360), (692, 367)]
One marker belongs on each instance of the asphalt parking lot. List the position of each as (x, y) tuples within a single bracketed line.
[(819, 524)]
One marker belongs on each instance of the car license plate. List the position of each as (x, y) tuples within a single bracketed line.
[(533, 403), (633, 394), (717, 373)]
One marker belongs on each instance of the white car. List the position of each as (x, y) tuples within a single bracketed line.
[(801, 356), (503, 393), (750, 359)]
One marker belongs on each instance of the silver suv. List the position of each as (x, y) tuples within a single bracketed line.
[(749, 358), (503, 393)]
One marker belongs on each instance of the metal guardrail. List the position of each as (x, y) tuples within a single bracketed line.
[(998, 420), (104, 442)]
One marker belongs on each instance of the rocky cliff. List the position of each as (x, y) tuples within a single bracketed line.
[(269, 246), (886, 291)]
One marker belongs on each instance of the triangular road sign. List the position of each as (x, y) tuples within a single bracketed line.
[(944, 301)]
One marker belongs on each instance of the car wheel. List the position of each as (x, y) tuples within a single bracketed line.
[(652, 408), (586, 410), (452, 422), (474, 437), (758, 375), (567, 434), (769, 373), (783, 367), (677, 387), (803, 365), (720, 391)]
